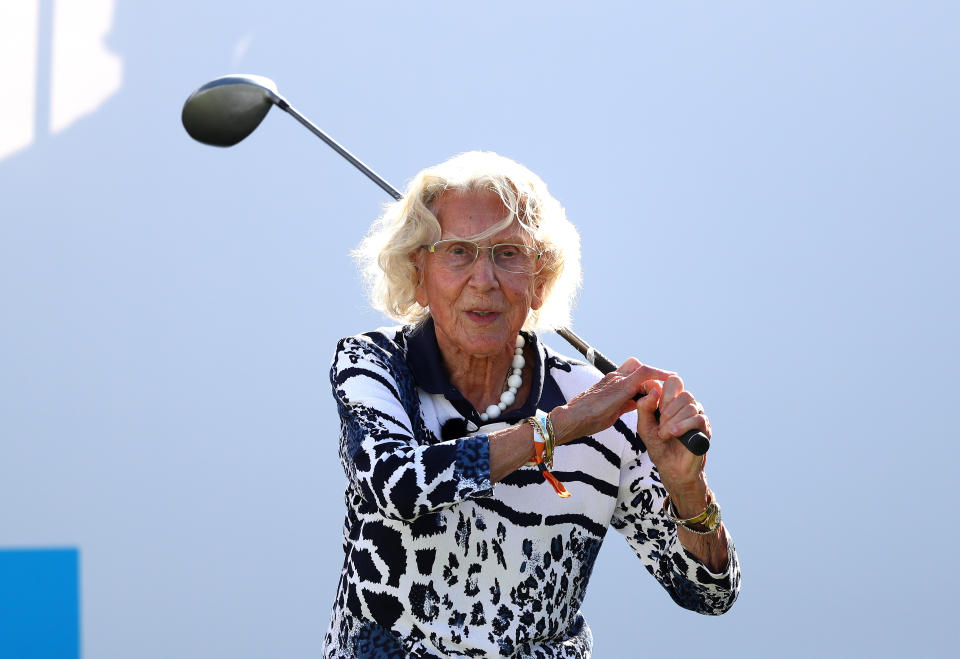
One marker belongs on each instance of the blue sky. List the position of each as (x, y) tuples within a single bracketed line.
[(767, 199)]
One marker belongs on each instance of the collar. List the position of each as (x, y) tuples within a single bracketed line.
[(426, 364)]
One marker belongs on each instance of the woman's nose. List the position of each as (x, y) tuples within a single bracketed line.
[(483, 270)]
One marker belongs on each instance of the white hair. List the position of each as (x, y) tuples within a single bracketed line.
[(387, 255)]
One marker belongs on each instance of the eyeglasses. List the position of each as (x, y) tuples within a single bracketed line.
[(457, 254)]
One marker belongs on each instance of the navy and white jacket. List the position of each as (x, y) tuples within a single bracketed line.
[(439, 561)]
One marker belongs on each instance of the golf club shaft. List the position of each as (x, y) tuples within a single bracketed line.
[(695, 441), (333, 144)]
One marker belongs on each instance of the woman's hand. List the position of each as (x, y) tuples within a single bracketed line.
[(603, 403), (680, 470)]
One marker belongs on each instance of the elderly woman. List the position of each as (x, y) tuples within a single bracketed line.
[(483, 468)]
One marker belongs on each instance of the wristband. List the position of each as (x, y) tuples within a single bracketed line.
[(543, 451)]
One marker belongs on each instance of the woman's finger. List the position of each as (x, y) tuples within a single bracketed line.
[(629, 366), (653, 373), (672, 408), (632, 365), (678, 426), (672, 387), (647, 424)]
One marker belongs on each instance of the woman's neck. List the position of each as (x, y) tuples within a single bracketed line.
[(479, 379)]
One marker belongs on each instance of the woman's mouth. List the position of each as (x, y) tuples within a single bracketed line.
[(483, 317)]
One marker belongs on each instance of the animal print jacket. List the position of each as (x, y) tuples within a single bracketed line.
[(441, 562)]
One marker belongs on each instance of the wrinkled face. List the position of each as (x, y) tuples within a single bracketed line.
[(478, 310)]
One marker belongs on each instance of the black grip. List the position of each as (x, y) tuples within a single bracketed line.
[(695, 441), (605, 365)]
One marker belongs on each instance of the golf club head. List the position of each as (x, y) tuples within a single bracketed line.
[(227, 109)]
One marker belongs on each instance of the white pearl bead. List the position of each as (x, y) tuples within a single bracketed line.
[(514, 382)]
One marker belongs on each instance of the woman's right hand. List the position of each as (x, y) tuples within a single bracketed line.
[(602, 404)]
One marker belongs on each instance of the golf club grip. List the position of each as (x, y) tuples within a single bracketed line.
[(695, 441)]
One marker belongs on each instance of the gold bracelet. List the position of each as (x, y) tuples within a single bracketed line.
[(553, 435), (702, 524)]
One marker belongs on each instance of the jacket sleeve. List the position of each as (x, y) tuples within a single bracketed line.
[(638, 516), (390, 458)]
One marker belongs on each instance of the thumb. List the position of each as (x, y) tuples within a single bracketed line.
[(647, 424)]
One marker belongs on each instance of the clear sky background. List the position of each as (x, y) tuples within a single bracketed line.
[(767, 194)]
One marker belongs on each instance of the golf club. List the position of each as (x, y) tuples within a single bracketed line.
[(225, 110)]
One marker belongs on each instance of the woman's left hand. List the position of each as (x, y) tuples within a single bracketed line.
[(680, 470)]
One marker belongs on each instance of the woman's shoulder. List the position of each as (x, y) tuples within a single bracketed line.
[(372, 367), (383, 340), (383, 349)]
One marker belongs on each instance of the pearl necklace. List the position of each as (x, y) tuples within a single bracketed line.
[(514, 382)]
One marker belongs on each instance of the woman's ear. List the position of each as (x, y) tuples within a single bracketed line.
[(419, 291), (539, 284)]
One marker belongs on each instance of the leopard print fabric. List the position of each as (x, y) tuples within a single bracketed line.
[(438, 561)]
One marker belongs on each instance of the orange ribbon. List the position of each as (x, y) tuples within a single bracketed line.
[(538, 449)]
